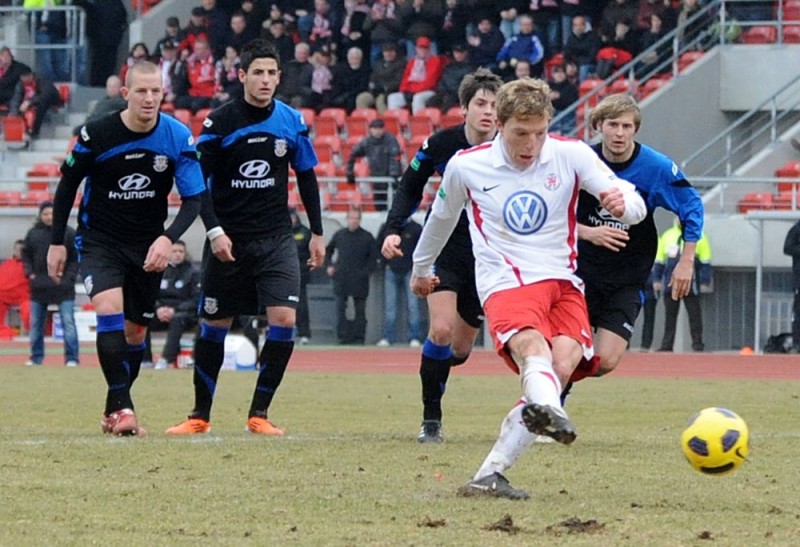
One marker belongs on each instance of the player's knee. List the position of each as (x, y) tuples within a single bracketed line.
[(440, 333), (608, 363), (459, 359)]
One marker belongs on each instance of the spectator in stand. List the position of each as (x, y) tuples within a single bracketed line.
[(419, 80), (239, 33), (588, 9), (619, 48), (137, 54), (397, 291), (525, 45), (571, 70), (112, 102), (201, 78), (172, 35), (168, 64), (283, 42), (646, 9), (176, 306), (34, 94), (196, 28), (655, 62), (296, 77), (256, 13), (352, 256), (522, 70), (547, 15), (509, 13), (485, 44), (454, 24), (50, 29), (381, 151), (690, 35), (349, 79), (321, 80), (562, 94), (14, 289), (582, 47), (218, 25), (106, 23), (227, 77), (354, 28), (384, 79), (45, 291), (649, 304), (447, 89), (384, 27), (302, 237), (320, 35), (421, 19), (614, 12), (10, 72)]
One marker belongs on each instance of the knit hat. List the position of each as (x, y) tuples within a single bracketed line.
[(44, 205)]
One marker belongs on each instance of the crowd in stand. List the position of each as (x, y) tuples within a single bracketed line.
[(408, 53)]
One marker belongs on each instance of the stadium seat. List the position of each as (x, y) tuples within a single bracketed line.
[(451, 121), (791, 10), (789, 170), (434, 114), (623, 85), (10, 199), (167, 108), (454, 111), (783, 201), (396, 120), (183, 115), (325, 169), (686, 59), (589, 85), (759, 34), (338, 114), (368, 113), (174, 199), (356, 126), (334, 145), (308, 116), (755, 201), (64, 93), (33, 198), (325, 125), (41, 171), (651, 86), (14, 130), (791, 34), (420, 126)]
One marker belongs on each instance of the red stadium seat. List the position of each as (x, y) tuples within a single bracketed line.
[(791, 34), (589, 85), (34, 197), (368, 113), (309, 115), (755, 201), (688, 58), (783, 201), (623, 85), (759, 34), (183, 115), (434, 114), (396, 120), (789, 170), (40, 172), (338, 114), (356, 126), (325, 125), (14, 130), (10, 199), (420, 126), (64, 93), (651, 86)]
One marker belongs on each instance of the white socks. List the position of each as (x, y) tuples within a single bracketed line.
[(539, 382), (513, 442)]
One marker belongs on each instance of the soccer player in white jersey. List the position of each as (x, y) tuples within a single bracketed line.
[(521, 194)]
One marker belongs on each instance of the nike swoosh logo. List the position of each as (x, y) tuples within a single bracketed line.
[(490, 188)]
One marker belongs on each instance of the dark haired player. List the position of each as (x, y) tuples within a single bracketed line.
[(246, 149), (615, 294), (454, 308), (129, 160)]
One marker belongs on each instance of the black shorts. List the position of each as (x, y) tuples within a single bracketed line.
[(614, 308), (456, 272), (105, 267), (266, 273)]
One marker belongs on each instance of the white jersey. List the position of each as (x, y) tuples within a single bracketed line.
[(523, 222)]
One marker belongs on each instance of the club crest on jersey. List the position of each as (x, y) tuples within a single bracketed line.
[(210, 306), (160, 164), (525, 212), (280, 147), (552, 182)]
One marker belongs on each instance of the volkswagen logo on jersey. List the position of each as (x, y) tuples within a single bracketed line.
[(254, 169), (254, 173), (525, 212), (133, 187)]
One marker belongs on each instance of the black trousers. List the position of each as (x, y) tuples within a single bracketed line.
[(181, 322), (351, 331), (649, 325), (671, 308)]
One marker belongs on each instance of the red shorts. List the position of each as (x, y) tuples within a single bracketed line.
[(552, 307)]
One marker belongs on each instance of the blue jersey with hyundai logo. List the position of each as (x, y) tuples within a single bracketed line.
[(128, 177), (246, 153)]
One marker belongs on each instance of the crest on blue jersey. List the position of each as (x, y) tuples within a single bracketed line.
[(280, 147), (525, 212), (160, 163)]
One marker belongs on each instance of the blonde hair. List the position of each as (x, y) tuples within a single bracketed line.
[(524, 98), (142, 67), (613, 107)]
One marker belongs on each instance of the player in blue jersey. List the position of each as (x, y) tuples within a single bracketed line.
[(615, 259), (246, 149), (129, 160)]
